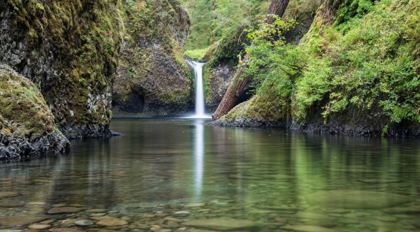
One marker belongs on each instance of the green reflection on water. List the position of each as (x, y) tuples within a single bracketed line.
[(259, 175)]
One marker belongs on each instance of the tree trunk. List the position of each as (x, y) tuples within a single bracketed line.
[(277, 7), (240, 81)]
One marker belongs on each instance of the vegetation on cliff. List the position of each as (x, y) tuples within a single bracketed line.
[(357, 66), (153, 78), (70, 50), (27, 125)]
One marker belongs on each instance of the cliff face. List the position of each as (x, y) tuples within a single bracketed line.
[(355, 72), (153, 79), (27, 127), (70, 50)]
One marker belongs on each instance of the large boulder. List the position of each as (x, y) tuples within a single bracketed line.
[(27, 127)]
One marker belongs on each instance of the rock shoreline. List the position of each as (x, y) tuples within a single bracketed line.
[(360, 130)]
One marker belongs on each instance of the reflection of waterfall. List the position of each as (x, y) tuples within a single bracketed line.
[(200, 111), (198, 157)]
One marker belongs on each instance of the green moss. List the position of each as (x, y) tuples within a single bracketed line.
[(22, 103), (152, 63), (351, 9), (197, 54), (84, 38)]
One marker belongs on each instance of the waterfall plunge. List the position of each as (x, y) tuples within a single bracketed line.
[(200, 111)]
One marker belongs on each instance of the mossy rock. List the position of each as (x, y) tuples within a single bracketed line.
[(27, 126), (22, 102), (153, 78), (70, 50)]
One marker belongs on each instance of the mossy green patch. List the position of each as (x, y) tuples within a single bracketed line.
[(71, 50), (22, 103), (197, 54), (152, 64)]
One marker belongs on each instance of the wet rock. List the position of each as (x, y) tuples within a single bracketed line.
[(47, 221), (302, 228), (64, 210), (98, 214), (222, 224), (58, 205), (96, 210), (356, 199), (174, 219), (20, 220), (146, 215), (70, 222), (84, 223), (181, 213), (39, 227), (8, 194), (64, 230), (77, 205), (112, 222), (11, 205), (183, 229), (171, 224), (156, 228), (36, 203), (195, 205), (101, 218), (143, 226)]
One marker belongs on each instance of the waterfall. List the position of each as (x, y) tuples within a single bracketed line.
[(200, 111)]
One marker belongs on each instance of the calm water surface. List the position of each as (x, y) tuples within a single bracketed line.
[(283, 181)]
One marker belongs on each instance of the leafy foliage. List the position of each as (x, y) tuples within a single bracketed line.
[(349, 9), (371, 65), (268, 51), (213, 20)]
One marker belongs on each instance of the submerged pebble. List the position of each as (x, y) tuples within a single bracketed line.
[(84, 223)]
